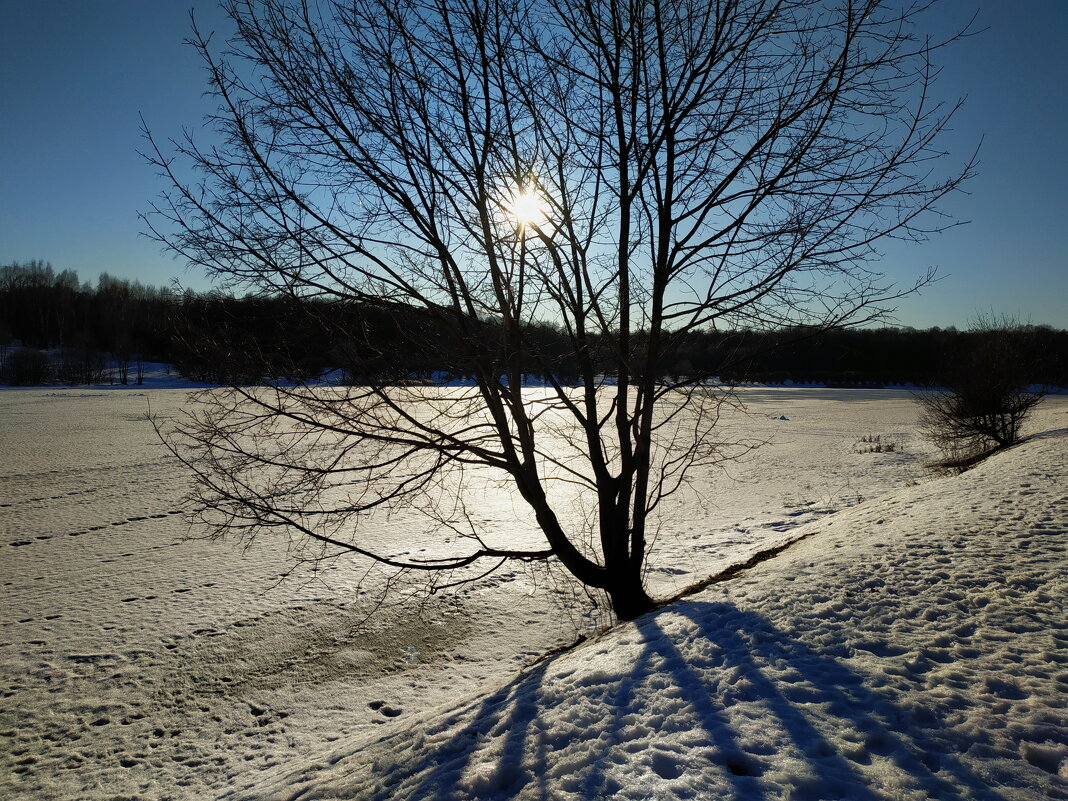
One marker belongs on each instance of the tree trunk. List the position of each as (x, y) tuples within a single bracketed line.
[(629, 598)]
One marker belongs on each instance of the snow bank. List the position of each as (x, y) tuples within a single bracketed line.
[(912, 647)]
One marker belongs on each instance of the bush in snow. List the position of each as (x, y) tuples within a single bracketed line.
[(987, 396), (26, 366)]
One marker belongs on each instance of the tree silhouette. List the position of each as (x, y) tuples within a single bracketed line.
[(628, 172)]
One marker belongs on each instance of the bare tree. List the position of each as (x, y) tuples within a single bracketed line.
[(989, 391), (626, 171)]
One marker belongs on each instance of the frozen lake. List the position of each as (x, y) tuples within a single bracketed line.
[(139, 663)]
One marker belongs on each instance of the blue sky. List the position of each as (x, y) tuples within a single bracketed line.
[(75, 75)]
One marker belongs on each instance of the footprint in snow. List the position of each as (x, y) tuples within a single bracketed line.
[(385, 709), (671, 571)]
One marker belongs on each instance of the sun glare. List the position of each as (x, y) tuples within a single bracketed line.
[(527, 207)]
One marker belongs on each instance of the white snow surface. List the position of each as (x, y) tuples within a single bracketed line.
[(909, 644)]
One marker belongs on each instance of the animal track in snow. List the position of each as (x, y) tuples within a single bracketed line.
[(384, 709)]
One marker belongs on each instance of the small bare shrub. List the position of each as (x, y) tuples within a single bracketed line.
[(27, 366), (987, 396)]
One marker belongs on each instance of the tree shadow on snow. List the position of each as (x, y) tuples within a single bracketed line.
[(510, 745)]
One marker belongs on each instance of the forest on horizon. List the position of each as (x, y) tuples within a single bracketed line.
[(56, 328)]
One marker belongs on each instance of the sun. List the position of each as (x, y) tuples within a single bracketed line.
[(527, 207)]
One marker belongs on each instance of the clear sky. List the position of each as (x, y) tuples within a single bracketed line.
[(75, 75)]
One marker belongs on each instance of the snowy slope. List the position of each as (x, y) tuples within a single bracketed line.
[(913, 647), (136, 663)]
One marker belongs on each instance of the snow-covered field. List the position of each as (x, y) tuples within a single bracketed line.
[(913, 646)]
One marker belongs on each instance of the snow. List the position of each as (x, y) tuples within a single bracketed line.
[(910, 643)]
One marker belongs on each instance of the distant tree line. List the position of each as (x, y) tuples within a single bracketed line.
[(74, 332), (78, 333)]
